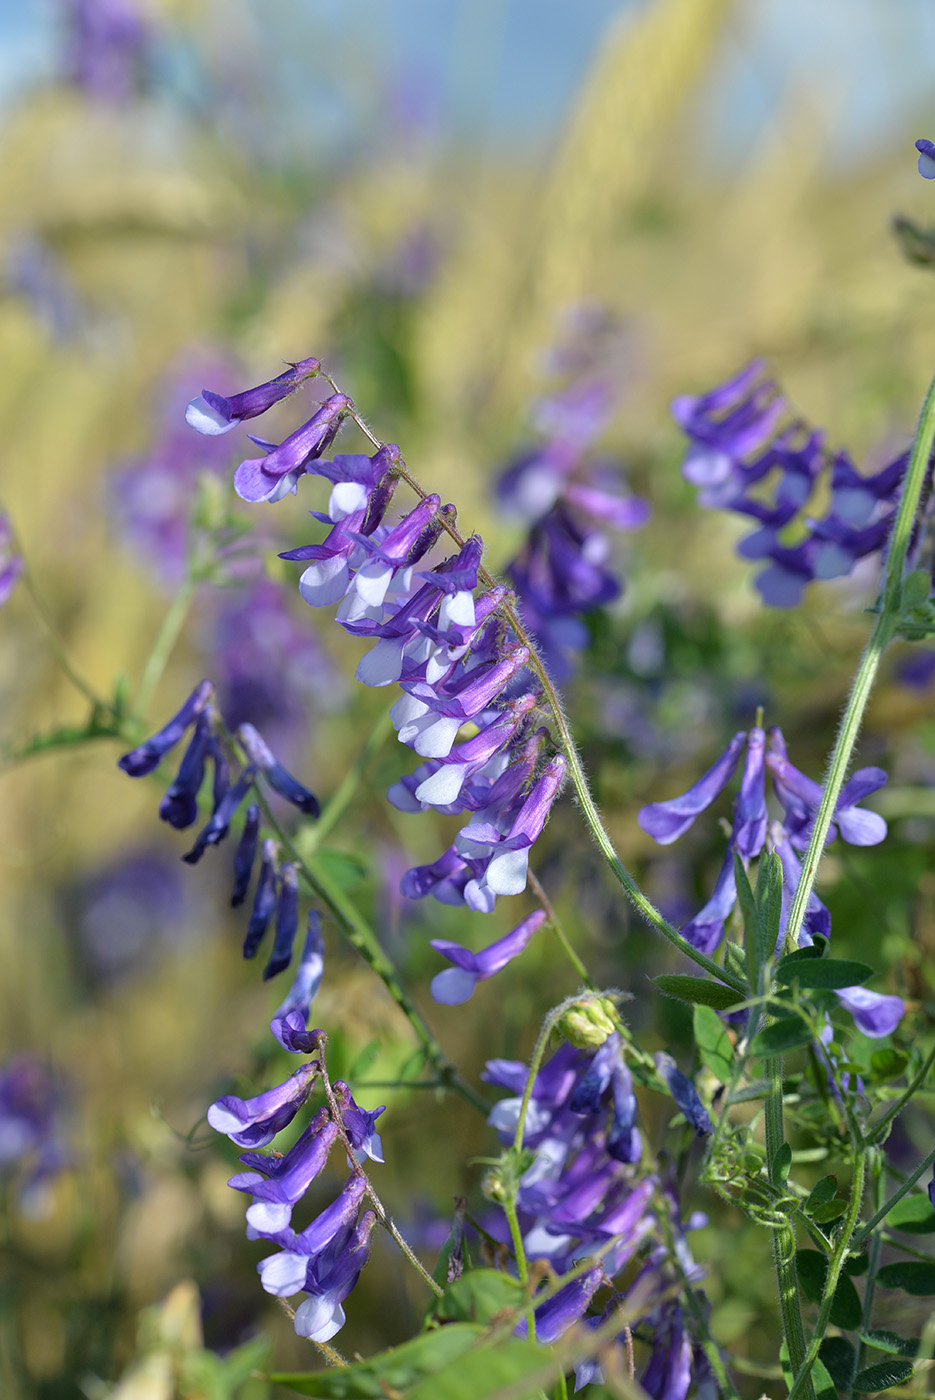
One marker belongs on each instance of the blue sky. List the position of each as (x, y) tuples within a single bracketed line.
[(505, 70)]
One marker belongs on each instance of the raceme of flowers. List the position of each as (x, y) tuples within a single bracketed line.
[(454, 656), (745, 455), (753, 831), (276, 898), (324, 1259), (586, 1194)]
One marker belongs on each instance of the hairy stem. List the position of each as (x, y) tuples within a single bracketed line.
[(784, 1236), (163, 646), (888, 1205)]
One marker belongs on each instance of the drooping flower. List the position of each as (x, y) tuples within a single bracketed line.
[(874, 1014), (456, 984), (212, 413)]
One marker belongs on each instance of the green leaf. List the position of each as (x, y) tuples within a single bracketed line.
[(840, 1361), (856, 1264), (399, 1368), (881, 1376), (713, 1042), (812, 1269), (912, 1277), (831, 1210), (769, 905), (824, 973), (479, 1296), (887, 1064), (891, 1341), (487, 1370), (698, 990), (822, 1192), (780, 1165), (342, 869), (751, 919), (824, 1386), (913, 1215), (791, 1033), (916, 588), (806, 954)]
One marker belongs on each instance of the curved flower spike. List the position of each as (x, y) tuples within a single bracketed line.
[(212, 413), (666, 821), (456, 984)]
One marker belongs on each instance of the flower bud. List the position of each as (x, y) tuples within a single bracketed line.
[(587, 1024)]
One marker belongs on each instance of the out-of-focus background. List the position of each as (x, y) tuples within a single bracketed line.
[(447, 204)]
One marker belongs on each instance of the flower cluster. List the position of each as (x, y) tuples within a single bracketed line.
[(276, 890), (456, 659), (746, 456), (753, 831), (323, 1260), (584, 1193), (561, 571)]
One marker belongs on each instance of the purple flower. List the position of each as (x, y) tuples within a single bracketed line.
[(285, 1274), (32, 1145), (271, 477), (11, 564), (107, 43), (926, 151), (140, 761), (334, 1275), (287, 922), (245, 854), (564, 1308), (456, 984), (685, 1095), (360, 1125), (291, 1018), (212, 413), (287, 1178), (255, 1122), (667, 821), (179, 806), (278, 778), (264, 900), (875, 1015)]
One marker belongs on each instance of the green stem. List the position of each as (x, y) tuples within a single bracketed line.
[(873, 1254), (876, 1133), (548, 1026), (703, 1332), (835, 1265), (567, 744), (783, 1234), (334, 809), (163, 646), (888, 1205), (362, 937), (880, 638)]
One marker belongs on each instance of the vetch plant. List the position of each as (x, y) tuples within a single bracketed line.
[(581, 1260)]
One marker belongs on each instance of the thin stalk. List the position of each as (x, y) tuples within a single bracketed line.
[(362, 937), (333, 810), (835, 1265), (888, 1205), (559, 931), (783, 1236), (876, 1132), (163, 646), (379, 1208), (567, 744), (880, 638), (59, 650), (548, 1026)]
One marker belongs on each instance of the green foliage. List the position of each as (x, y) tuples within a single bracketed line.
[(479, 1296), (812, 1269), (698, 991), (401, 1368), (881, 1376), (791, 1033), (823, 974), (713, 1042), (911, 1275)]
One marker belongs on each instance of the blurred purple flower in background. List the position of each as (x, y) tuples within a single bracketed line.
[(107, 44), (926, 151), (11, 563), (32, 1145), (151, 496)]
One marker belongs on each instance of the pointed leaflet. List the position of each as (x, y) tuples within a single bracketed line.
[(698, 989), (713, 1042), (768, 897), (826, 974)]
